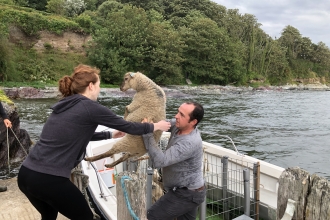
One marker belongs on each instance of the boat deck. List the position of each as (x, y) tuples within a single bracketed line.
[(15, 206)]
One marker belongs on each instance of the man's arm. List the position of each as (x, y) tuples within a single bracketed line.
[(179, 151), (2, 112), (4, 116)]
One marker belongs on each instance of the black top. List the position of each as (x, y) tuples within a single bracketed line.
[(68, 130), (2, 112)]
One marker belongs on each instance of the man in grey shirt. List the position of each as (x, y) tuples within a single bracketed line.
[(181, 165)]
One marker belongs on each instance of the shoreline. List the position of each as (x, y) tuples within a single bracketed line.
[(170, 91)]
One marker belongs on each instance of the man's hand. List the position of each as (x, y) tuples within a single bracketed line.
[(7, 123), (118, 134), (147, 120)]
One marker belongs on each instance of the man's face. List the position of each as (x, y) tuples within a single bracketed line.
[(182, 117)]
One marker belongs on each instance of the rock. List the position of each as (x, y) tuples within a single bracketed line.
[(17, 148), (32, 93)]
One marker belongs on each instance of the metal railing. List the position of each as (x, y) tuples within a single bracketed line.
[(232, 186)]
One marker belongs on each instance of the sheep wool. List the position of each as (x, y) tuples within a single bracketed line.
[(149, 102)]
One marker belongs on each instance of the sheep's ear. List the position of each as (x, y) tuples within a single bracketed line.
[(132, 74)]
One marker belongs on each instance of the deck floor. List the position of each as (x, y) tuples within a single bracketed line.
[(15, 206)]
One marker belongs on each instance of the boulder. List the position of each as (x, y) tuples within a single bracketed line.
[(18, 139)]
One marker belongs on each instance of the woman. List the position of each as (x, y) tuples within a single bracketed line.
[(44, 175), (4, 116), (8, 124)]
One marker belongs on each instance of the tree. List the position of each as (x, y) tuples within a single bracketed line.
[(74, 8), (291, 39), (37, 4), (121, 44), (209, 56), (276, 68), (56, 7), (164, 57)]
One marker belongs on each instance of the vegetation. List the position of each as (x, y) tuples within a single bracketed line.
[(168, 40), (4, 98)]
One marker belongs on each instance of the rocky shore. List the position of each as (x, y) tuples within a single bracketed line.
[(171, 91)]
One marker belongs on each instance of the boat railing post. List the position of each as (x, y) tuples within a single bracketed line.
[(256, 181), (224, 161), (125, 165), (246, 178), (202, 210), (149, 187)]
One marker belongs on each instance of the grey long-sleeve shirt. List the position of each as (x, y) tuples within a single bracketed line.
[(181, 162), (68, 130)]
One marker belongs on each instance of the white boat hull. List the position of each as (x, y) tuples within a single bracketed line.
[(103, 189)]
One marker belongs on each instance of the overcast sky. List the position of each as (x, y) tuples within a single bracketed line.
[(311, 18)]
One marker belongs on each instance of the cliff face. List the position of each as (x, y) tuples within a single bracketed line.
[(16, 147), (66, 42)]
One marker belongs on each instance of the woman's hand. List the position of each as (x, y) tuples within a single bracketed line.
[(7, 123), (118, 134), (162, 125)]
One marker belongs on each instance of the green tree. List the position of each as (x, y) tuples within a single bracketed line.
[(56, 7), (37, 4), (74, 8), (320, 56), (276, 69), (291, 39), (121, 44), (209, 56), (164, 57)]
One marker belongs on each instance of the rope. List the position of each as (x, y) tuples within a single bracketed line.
[(17, 140), (80, 180), (8, 152), (9, 147), (123, 178)]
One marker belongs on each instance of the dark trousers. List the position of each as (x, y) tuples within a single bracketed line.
[(52, 194), (181, 204)]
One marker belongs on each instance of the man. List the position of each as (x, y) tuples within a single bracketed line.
[(181, 165), (7, 123)]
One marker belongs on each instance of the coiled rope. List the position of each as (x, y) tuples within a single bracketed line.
[(128, 204)]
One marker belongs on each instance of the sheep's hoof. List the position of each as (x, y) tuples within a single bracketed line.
[(108, 166)]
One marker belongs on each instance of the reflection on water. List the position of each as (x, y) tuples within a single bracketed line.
[(286, 128)]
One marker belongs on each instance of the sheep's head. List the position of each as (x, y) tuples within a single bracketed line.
[(128, 81)]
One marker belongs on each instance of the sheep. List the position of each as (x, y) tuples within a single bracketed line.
[(148, 102)]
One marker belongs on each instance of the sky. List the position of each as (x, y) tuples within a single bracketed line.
[(311, 18)]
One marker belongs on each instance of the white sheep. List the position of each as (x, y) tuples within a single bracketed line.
[(148, 102)]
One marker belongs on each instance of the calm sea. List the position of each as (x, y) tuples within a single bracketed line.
[(285, 128)]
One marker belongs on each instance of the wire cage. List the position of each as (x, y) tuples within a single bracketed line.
[(232, 190), (232, 185)]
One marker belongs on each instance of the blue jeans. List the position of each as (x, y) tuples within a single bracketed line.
[(180, 203)]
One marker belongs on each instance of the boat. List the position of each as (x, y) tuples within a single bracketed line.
[(102, 184)]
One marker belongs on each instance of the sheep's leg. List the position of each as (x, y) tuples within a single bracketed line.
[(122, 159), (145, 157), (126, 112), (109, 153)]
